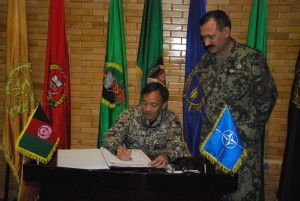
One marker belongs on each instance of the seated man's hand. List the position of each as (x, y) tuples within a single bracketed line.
[(123, 153), (161, 161)]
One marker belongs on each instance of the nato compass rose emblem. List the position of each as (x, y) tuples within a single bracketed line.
[(230, 139)]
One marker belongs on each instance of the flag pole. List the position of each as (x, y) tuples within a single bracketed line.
[(7, 176), (204, 165)]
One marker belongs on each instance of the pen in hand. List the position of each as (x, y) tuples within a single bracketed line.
[(128, 152)]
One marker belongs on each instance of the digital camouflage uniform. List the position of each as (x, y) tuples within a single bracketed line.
[(132, 129), (243, 82)]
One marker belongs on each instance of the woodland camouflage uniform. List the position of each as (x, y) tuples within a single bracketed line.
[(243, 82)]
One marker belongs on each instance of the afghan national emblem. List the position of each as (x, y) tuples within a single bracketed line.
[(44, 131)]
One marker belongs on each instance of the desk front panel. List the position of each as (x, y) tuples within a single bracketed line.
[(68, 184)]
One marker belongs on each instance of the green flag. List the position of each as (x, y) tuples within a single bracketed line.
[(257, 30), (115, 89), (257, 38), (149, 61)]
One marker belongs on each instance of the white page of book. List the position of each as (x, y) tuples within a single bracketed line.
[(81, 159), (139, 159)]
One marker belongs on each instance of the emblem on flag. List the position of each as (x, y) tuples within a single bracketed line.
[(113, 91), (224, 146), (38, 140), (56, 92), (157, 73)]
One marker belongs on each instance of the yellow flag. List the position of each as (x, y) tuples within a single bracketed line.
[(19, 96)]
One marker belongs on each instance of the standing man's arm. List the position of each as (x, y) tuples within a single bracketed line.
[(263, 89)]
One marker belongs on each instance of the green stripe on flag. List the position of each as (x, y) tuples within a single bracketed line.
[(36, 145)]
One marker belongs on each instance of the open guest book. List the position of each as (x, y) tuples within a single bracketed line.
[(99, 159)]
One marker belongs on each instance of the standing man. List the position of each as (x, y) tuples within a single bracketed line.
[(150, 127), (236, 75)]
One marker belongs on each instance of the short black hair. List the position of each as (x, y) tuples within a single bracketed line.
[(220, 16), (156, 86)]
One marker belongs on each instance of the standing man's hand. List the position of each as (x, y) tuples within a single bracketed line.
[(161, 161)]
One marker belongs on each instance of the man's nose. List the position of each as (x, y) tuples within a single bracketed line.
[(148, 108), (206, 41)]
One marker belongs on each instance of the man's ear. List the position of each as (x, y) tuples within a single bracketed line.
[(165, 104), (226, 31)]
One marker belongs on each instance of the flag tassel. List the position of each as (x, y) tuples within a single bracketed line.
[(37, 157), (221, 167)]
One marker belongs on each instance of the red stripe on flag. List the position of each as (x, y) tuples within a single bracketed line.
[(41, 130)]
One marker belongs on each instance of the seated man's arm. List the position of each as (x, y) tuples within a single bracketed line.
[(174, 147), (114, 137), (174, 140)]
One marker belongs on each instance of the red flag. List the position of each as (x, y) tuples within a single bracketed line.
[(57, 79)]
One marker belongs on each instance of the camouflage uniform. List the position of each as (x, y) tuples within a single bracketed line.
[(243, 82), (132, 129)]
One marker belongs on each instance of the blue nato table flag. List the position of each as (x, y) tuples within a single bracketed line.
[(224, 145)]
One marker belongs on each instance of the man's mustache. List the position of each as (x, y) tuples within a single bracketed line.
[(210, 46)]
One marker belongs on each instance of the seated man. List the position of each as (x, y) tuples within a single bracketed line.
[(150, 127)]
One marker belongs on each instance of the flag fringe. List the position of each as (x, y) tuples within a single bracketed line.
[(36, 156), (221, 167), (213, 160)]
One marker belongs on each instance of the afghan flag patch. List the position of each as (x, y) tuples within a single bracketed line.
[(38, 140)]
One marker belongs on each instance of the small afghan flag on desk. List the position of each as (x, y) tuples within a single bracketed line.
[(224, 146), (37, 140)]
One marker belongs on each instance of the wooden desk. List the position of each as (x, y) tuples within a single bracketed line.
[(67, 184)]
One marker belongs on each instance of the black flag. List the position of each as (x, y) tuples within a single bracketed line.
[(289, 184)]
